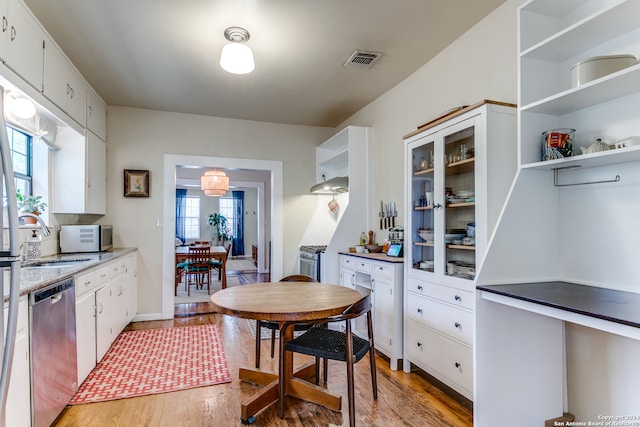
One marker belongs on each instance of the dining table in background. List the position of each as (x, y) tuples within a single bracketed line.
[(215, 252), (279, 302)]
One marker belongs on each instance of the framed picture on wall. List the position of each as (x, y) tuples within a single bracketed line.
[(136, 183)]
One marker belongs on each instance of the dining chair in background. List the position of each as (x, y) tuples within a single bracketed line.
[(197, 268), (274, 326), (345, 346), (216, 264)]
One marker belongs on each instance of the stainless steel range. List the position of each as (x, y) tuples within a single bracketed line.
[(310, 260)]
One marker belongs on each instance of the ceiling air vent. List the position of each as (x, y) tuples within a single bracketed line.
[(362, 59)]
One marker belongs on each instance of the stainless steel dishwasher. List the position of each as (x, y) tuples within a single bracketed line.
[(54, 375)]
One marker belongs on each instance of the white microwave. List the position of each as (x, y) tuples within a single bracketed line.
[(85, 238)]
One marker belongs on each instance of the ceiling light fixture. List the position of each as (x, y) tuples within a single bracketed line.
[(237, 57), (214, 183)]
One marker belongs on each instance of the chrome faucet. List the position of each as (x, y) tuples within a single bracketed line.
[(43, 226)]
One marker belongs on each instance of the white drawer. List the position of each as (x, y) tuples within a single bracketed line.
[(447, 360), (382, 269), (85, 282), (117, 267), (364, 265), (444, 293), (455, 322), (102, 275), (348, 261)]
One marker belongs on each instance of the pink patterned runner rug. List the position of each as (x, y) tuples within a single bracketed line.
[(156, 361)]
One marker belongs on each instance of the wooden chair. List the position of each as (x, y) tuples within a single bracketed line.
[(202, 243), (274, 326), (330, 344), (197, 268), (216, 264)]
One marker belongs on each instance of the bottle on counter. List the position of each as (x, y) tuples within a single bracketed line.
[(363, 239)]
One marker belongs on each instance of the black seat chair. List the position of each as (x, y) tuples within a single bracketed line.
[(326, 343), (274, 326)]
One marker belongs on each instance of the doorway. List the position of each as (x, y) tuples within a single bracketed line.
[(275, 228)]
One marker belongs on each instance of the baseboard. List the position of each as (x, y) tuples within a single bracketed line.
[(147, 317)]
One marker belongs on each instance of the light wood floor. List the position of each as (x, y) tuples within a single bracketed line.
[(403, 399)]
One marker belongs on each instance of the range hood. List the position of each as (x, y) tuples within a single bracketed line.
[(339, 184)]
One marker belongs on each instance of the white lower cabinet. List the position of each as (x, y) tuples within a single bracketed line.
[(18, 413), (383, 280), (439, 325), (104, 330), (445, 359), (85, 334), (106, 301)]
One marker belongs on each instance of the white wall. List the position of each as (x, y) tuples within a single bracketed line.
[(139, 139)]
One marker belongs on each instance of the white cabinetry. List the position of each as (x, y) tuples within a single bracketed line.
[(21, 46), (80, 175), (580, 224), (63, 85), (458, 174), (106, 298), (383, 279), (18, 412), (96, 115), (104, 330)]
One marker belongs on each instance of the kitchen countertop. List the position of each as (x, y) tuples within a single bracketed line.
[(32, 279), (607, 304), (376, 257)]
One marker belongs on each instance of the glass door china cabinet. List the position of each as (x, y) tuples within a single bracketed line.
[(459, 170)]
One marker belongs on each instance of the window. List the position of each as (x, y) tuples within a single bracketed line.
[(226, 208), (192, 218), (20, 145)]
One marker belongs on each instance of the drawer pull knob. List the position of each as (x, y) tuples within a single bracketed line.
[(420, 344), (419, 287), (458, 364), (458, 325), (458, 298), (420, 310)]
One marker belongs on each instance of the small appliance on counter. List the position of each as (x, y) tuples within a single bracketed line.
[(85, 238)]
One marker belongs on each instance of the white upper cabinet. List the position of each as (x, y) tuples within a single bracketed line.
[(80, 174), (63, 85), (22, 42), (96, 115)]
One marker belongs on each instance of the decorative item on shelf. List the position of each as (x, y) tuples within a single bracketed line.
[(136, 183), (557, 143), (629, 141), (599, 66), (595, 147), (30, 204)]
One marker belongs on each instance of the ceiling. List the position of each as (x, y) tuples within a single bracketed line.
[(163, 54)]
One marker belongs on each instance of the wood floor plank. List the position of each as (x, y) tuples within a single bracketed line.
[(403, 399)]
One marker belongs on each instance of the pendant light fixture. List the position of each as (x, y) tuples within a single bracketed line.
[(214, 183), (236, 56)]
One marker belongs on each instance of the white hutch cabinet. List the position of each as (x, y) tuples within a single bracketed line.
[(458, 174)]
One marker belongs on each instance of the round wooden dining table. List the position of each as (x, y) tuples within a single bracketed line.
[(279, 302)]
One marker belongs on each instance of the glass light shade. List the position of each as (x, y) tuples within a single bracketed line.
[(237, 58), (214, 183), (23, 108)]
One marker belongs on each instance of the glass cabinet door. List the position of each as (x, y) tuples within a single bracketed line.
[(459, 200), (422, 189)]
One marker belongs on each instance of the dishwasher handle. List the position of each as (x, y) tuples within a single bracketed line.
[(53, 293)]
